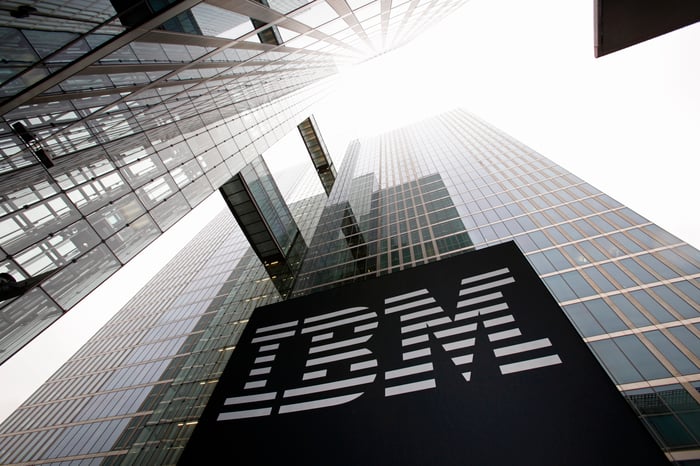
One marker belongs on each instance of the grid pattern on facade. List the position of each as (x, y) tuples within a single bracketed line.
[(115, 381), (142, 123), (630, 288), (153, 366)]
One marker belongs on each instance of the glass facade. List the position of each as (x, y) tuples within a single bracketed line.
[(117, 118), (262, 213), (132, 394), (455, 183), (444, 186)]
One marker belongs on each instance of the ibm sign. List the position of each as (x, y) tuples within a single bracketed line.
[(464, 361), (343, 335)]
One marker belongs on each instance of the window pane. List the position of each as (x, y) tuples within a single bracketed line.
[(688, 338), (652, 306), (578, 284), (600, 280), (637, 272), (621, 277), (641, 357), (540, 263), (583, 320), (675, 302), (670, 352), (683, 265), (558, 287), (631, 312), (670, 430), (618, 366), (657, 266), (557, 259), (605, 315)]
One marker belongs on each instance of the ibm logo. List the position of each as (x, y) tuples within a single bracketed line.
[(341, 338)]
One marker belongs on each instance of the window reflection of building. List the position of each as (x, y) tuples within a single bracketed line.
[(402, 226)]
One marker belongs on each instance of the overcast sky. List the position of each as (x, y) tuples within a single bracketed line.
[(628, 123)]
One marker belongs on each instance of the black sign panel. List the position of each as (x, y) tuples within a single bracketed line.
[(464, 361)]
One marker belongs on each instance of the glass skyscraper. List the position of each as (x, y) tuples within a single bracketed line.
[(118, 117), (440, 187)]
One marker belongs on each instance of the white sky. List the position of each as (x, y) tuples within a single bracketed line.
[(628, 123)]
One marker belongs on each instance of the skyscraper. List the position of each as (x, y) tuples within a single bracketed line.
[(160, 354), (119, 117), (441, 187)]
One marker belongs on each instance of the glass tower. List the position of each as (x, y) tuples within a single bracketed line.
[(133, 393), (455, 183), (118, 117), (440, 187)]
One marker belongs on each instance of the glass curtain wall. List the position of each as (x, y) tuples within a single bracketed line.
[(454, 183), (117, 118)]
